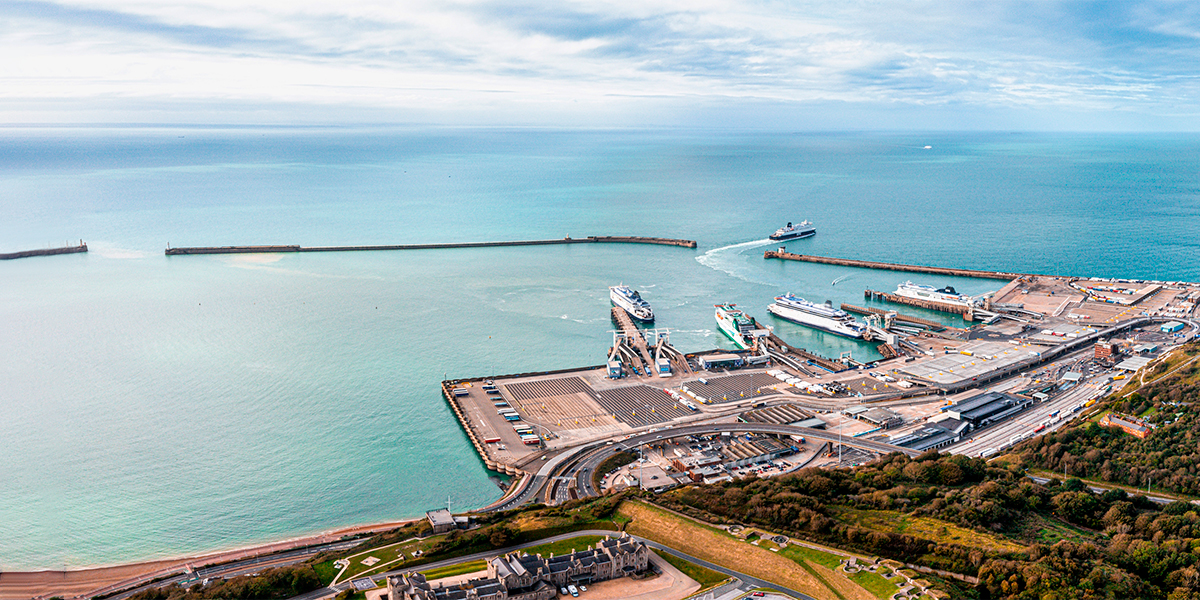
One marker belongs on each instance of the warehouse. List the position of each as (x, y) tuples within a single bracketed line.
[(987, 408)]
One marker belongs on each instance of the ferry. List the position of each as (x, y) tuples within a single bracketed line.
[(946, 295), (818, 316), (794, 232), (738, 326), (631, 302)]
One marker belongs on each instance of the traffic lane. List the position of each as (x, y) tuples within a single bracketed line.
[(1101, 490), (240, 567)]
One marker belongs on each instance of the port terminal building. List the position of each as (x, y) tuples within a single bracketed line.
[(986, 408)]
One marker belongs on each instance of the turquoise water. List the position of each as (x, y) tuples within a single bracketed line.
[(158, 406)]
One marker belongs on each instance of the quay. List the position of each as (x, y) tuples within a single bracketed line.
[(870, 310), (82, 247), (716, 414), (591, 239), (967, 312), (869, 264)]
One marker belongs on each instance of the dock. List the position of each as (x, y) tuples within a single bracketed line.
[(82, 247), (870, 264), (633, 336), (591, 239), (967, 312), (869, 310)]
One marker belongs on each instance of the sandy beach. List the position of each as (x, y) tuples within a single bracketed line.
[(78, 583)]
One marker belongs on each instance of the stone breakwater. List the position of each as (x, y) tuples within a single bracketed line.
[(82, 247), (592, 239)]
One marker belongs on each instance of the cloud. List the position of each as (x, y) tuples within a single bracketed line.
[(591, 62)]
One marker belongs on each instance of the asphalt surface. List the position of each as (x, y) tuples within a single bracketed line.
[(329, 592), (588, 465), (241, 567)]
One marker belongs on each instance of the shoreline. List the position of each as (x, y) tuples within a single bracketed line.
[(92, 580)]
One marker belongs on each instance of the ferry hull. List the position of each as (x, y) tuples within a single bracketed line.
[(793, 236)]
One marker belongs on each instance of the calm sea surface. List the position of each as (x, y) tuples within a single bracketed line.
[(157, 406)]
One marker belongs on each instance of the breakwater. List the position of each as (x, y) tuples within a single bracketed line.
[(82, 247), (592, 239), (870, 264)]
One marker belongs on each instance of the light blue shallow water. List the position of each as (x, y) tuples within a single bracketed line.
[(158, 406)]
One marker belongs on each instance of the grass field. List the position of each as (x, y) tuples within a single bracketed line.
[(799, 553), (931, 529), (717, 546), (459, 569), (876, 584), (565, 546), (704, 576)]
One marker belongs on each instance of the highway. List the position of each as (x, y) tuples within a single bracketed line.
[(242, 567), (381, 578)]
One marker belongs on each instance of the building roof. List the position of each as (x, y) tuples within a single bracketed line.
[(440, 516), (1072, 376), (1133, 363)]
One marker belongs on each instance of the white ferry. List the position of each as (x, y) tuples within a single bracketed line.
[(631, 302), (738, 326), (818, 316), (794, 232), (946, 295)]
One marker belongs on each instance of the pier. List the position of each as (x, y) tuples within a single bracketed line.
[(868, 310), (869, 264), (967, 312), (82, 247), (591, 239)]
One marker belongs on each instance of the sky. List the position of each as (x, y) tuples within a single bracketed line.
[(841, 64)]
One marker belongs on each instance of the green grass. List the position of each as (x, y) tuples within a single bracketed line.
[(452, 570), (704, 576), (752, 537), (325, 571), (876, 584), (387, 555), (802, 553), (565, 546)]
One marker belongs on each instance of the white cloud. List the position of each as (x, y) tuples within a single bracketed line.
[(516, 62)]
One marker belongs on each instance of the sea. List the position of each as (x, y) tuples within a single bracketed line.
[(155, 406)]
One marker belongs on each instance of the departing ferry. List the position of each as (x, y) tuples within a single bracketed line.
[(946, 295), (631, 302), (738, 326), (818, 316), (794, 232)]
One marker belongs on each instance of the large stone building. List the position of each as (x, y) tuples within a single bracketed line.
[(518, 576)]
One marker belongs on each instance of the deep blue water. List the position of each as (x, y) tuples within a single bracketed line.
[(157, 406)]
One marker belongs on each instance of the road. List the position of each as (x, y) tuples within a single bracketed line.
[(584, 469), (1100, 490), (242, 567), (329, 592), (1001, 434)]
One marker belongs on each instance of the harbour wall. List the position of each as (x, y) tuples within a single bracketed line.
[(870, 264), (82, 247), (592, 239)]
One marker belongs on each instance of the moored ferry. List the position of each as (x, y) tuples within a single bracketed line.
[(818, 316), (794, 232), (947, 295), (738, 326), (632, 302)]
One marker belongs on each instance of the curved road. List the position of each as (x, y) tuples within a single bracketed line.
[(587, 466), (329, 592)]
